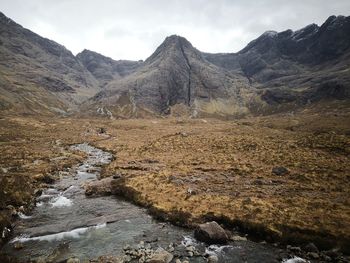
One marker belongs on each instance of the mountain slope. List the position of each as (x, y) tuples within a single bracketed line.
[(302, 66), (174, 78), (276, 72), (105, 69), (38, 75)]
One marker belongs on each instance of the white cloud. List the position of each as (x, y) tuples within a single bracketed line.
[(132, 29)]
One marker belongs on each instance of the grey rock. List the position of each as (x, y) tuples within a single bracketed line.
[(98, 188), (161, 256), (311, 247), (73, 260), (213, 259), (313, 255), (211, 233)]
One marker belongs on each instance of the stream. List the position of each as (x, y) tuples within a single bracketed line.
[(65, 224)]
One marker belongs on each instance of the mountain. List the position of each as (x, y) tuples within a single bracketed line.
[(299, 67), (278, 71), (38, 75), (176, 79), (105, 69)]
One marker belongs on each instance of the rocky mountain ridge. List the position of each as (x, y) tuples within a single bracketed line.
[(275, 72), (38, 75)]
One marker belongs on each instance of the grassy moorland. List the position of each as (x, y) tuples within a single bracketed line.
[(191, 170)]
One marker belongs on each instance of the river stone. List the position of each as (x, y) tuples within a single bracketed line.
[(73, 260), (101, 187), (211, 233), (161, 256), (213, 259), (311, 247)]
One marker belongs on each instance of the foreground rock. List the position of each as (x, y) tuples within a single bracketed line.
[(98, 188), (161, 256), (211, 233)]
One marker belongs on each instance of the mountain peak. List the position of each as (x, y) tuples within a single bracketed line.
[(177, 41), (335, 22), (172, 45)]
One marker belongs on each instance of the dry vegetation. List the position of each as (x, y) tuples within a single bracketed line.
[(190, 170)]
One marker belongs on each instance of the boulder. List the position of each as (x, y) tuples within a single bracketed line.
[(211, 233), (97, 188)]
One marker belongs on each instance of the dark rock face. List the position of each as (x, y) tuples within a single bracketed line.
[(177, 74), (298, 67), (105, 69), (211, 233)]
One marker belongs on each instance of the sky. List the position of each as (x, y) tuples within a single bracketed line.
[(133, 29)]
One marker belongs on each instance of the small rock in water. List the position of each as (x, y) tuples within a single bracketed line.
[(38, 192), (213, 259), (18, 245), (73, 260), (126, 247), (313, 255), (311, 248)]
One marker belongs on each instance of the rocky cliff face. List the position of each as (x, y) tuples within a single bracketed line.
[(38, 75), (177, 78), (300, 67), (277, 71)]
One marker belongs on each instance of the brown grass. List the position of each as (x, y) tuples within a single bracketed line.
[(226, 165)]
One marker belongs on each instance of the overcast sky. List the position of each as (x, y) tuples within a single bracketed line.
[(132, 29)]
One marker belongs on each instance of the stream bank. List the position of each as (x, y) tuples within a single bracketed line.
[(66, 224)]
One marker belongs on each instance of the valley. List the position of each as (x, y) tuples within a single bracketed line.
[(155, 150)]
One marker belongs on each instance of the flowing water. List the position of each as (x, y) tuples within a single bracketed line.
[(65, 223)]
